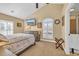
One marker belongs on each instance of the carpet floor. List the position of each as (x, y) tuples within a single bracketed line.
[(43, 48)]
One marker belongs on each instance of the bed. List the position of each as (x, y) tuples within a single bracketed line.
[(19, 41)]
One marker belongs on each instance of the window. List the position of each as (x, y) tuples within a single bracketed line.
[(47, 28), (6, 27), (74, 25)]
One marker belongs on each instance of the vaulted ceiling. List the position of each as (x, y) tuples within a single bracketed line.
[(20, 10)]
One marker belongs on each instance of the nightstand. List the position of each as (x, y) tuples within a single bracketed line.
[(37, 35)]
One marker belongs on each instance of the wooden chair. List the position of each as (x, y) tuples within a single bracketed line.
[(59, 43)]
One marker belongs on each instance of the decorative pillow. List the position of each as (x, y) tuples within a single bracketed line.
[(3, 38)]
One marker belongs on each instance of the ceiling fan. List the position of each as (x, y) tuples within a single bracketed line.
[(37, 5)]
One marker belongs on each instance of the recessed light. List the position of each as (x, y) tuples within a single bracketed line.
[(72, 10)]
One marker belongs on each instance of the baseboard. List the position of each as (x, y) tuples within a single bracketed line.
[(48, 40)]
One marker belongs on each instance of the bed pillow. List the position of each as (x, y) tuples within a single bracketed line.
[(3, 38)]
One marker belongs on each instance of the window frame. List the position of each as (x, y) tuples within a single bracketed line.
[(6, 32)]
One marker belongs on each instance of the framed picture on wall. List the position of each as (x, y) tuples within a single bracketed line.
[(31, 21), (19, 24), (39, 25)]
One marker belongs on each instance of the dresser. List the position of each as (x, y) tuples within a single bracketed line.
[(37, 34)]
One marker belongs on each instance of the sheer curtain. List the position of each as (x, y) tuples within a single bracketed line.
[(6, 27)]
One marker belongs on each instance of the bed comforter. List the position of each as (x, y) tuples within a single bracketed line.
[(19, 41)]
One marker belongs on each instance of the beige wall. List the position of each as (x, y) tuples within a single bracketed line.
[(63, 14), (53, 11), (15, 20)]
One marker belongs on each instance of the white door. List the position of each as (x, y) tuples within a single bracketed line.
[(74, 32), (74, 29), (48, 28)]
